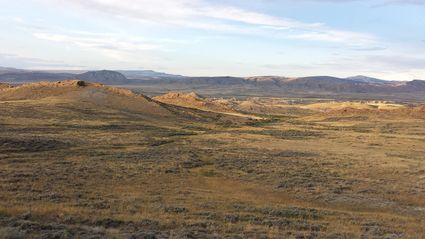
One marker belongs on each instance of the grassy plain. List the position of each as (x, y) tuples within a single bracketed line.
[(71, 169)]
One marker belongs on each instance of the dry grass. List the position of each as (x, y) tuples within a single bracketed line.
[(72, 171)]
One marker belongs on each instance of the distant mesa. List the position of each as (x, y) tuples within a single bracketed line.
[(11, 75), (366, 79), (104, 77), (268, 80), (273, 85), (148, 74)]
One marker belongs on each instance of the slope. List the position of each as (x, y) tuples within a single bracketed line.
[(76, 99)]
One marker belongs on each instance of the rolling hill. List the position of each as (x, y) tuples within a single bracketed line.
[(193, 100), (99, 100)]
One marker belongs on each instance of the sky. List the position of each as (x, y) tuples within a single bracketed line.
[(378, 38)]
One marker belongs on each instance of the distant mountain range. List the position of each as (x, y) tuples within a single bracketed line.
[(358, 84), (105, 77), (125, 77), (276, 84), (143, 74), (9, 70)]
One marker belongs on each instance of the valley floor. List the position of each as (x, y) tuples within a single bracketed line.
[(67, 171)]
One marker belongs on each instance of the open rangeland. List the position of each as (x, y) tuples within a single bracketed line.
[(82, 160)]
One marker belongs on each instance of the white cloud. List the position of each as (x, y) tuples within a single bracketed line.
[(19, 61), (103, 43), (248, 17), (102, 50), (121, 49), (201, 14), (350, 38)]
